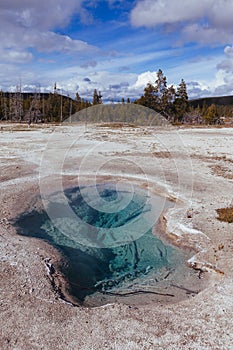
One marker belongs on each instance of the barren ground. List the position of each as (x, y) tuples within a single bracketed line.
[(193, 166)]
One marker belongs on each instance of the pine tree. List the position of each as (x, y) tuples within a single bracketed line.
[(212, 117), (181, 101), (161, 90), (150, 99), (77, 97), (157, 96), (97, 98), (166, 100)]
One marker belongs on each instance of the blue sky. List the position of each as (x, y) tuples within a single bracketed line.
[(116, 46)]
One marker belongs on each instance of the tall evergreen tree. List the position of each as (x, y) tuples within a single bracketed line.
[(212, 116), (182, 90), (161, 90), (181, 101), (97, 98), (149, 99), (158, 96), (77, 97)]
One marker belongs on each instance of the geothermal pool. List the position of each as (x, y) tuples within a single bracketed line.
[(104, 234)]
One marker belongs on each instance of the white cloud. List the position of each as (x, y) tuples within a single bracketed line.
[(220, 13), (220, 84), (112, 85), (144, 78), (204, 35), (29, 24), (225, 69), (229, 51), (151, 13), (28, 27), (43, 14), (12, 73), (226, 65), (52, 42), (15, 56), (202, 21)]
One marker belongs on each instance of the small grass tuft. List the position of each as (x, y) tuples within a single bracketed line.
[(225, 214)]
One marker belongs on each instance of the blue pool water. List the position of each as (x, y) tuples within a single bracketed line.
[(105, 250)]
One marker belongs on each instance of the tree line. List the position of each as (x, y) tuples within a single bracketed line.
[(173, 103), (42, 107), (169, 101)]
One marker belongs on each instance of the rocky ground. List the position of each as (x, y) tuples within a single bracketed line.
[(192, 166)]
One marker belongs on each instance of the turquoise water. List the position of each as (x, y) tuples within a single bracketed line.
[(95, 259)]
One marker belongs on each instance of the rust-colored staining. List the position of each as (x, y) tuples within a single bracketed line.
[(225, 214), (162, 154)]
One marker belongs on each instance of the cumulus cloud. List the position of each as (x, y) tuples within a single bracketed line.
[(113, 86), (144, 78), (197, 89), (30, 33), (227, 64), (43, 14), (101, 80), (202, 21), (224, 90), (28, 27), (225, 69), (53, 42), (221, 84), (151, 13), (15, 56), (221, 13), (229, 51), (205, 35), (6, 79), (30, 24)]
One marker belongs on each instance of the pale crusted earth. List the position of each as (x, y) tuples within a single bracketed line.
[(195, 166)]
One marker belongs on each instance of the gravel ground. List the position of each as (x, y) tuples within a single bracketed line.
[(194, 166)]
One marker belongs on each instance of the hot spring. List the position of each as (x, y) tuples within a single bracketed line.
[(109, 253)]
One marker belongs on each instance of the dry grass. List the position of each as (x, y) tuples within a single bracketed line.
[(222, 171), (225, 214)]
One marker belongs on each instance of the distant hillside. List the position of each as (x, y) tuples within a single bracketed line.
[(208, 101), (27, 95)]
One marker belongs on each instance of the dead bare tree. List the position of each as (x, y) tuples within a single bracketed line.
[(16, 105), (34, 112)]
